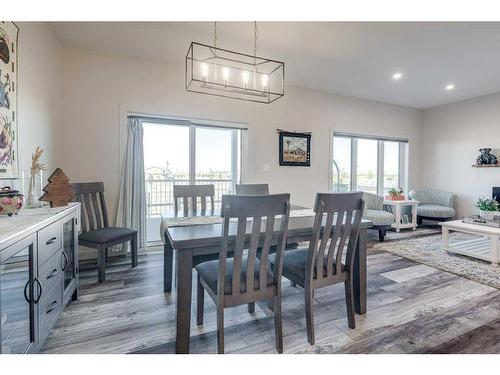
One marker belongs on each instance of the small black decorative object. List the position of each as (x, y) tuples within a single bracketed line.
[(486, 157), (295, 149)]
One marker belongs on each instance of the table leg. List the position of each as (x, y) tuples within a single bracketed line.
[(494, 249), (359, 274), (183, 302), (398, 217), (168, 257), (414, 215), (445, 238)]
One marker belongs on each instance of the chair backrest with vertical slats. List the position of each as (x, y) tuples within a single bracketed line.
[(189, 195), (340, 215), (252, 189), (262, 210), (93, 206)]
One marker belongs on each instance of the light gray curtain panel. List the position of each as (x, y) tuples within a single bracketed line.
[(132, 202)]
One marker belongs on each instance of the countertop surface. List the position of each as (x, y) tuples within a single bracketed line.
[(29, 220)]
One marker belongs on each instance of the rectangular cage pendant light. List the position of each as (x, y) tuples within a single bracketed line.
[(220, 72)]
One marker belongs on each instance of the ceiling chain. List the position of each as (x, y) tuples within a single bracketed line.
[(255, 35), (215, 34)]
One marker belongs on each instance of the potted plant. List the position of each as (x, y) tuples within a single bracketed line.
[(488, 208), (395, 194)]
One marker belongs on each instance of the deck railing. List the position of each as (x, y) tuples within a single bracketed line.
[(160, 191)]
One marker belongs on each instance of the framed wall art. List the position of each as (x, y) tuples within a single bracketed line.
[(9, 33), (295, 149)]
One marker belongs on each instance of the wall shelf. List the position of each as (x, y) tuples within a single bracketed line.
[(486, 166)]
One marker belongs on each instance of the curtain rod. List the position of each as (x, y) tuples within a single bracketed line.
[(185, 122)]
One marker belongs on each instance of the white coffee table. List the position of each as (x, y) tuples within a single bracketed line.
[(396, 210), (485, 248)]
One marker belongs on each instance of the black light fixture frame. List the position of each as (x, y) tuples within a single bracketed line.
[(189, 63)]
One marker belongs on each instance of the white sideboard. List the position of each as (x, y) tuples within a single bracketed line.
[(38, 273)]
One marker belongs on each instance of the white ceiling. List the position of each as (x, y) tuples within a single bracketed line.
[(351, 58)]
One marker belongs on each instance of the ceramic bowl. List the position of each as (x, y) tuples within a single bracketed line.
[(11, 201)]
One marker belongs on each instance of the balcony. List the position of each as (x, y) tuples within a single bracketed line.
[(160, 198)]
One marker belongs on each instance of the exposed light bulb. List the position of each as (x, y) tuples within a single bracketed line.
[(225, 74), (397, 76), (449, 87), (265, 80), (244, 76), (204, 71)]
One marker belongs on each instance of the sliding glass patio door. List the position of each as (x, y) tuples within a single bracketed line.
[(185, 154)]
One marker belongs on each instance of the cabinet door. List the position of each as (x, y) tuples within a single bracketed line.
[(69, 258), (20, 290)]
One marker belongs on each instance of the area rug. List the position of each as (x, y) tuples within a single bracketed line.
[(427, 250)]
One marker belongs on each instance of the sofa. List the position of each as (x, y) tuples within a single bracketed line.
[(374, 211), (435, 205)]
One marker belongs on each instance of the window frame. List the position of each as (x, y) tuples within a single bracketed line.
[(402, 163), (236, 146)]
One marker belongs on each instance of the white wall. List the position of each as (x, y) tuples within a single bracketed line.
[(99, 88), (39, 95), (452, 135)]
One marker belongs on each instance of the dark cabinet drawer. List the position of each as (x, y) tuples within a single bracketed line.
[(51, 272), (49, 242), (50, 306)]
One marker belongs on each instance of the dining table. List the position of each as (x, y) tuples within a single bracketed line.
[(189, 234)]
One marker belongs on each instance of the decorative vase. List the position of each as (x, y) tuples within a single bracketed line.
[(488, 215), (32, 201)]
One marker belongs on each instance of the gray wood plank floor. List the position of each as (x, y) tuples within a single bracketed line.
[(412, 308)]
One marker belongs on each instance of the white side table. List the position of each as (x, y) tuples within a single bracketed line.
[(396, 210)]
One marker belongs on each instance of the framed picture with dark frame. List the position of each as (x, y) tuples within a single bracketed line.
[(295, 149)]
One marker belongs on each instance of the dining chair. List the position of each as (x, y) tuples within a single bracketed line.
[(245, 279), (189, 195), (96, 232), (252, 189), (329, 258)]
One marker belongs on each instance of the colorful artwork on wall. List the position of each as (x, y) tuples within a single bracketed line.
[(8, 100)]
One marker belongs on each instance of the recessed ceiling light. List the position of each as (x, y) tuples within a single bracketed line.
[(449, 87), (397, 76)]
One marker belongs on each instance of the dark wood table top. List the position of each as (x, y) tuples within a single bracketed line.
[(205, 235)]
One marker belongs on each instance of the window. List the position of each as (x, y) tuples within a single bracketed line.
[(183, 153), (370, 164), (366, 168), (342, 163)]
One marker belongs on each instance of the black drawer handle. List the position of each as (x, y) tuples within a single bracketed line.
[(41, 289), (51, 241), (66, 261), (52, 274), (52, 307)]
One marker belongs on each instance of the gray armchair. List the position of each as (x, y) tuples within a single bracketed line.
[(436, 205), (374, 211)]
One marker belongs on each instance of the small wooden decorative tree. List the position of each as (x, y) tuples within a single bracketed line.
[(59, 190)]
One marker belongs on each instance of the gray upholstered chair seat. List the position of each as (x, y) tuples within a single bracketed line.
[(379, 217), (434, 204), (295, 262), (434, 210), (209, 272), (104, 235)]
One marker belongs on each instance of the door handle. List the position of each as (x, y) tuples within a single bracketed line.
[(26, 292), (52, 307), (65, 256), (51, 241), (41, 289), (52, 274)]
